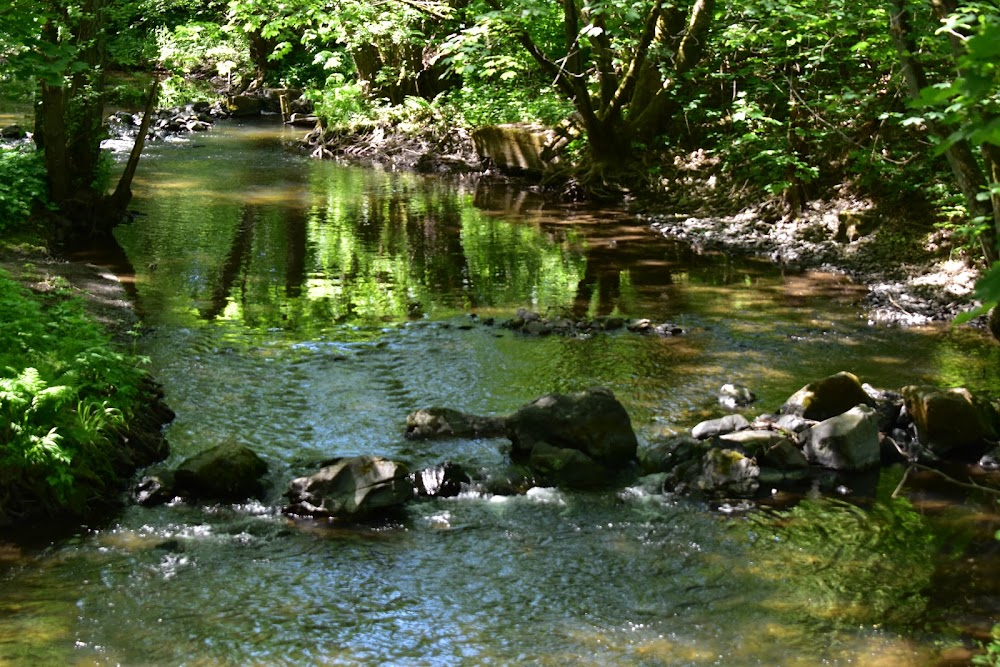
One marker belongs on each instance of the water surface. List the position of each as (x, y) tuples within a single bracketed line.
[(304, 308)]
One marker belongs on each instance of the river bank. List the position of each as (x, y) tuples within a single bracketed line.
[(104, 445)]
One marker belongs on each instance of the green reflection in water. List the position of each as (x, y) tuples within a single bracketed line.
[(360, 250), (840, 567)]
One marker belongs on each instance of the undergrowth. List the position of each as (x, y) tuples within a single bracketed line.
[(65, 395)]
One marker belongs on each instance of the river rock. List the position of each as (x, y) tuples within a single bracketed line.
[(665, 455), (770, 448), (726, 472), (720, 426), (990, 460), (828, 397), (154, 490), (439, 422), (591, 422), (442, 481), (12, 132), (351, 488), (515, 147), (229, 471), (792, 423), (734, 396), (849, 441), (566, 466), (245, 105), (951, 421)]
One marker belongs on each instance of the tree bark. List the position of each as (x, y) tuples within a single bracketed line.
[(118, 201)]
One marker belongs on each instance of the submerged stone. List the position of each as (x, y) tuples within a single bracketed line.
[(437, 422)]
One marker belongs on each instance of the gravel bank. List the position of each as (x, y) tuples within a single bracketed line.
[(910, 281)]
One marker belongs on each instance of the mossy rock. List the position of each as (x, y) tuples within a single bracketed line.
[(229, 471), (829, 397), (951, 420)]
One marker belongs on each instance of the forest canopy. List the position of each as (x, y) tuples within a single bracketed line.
[(787, 102)]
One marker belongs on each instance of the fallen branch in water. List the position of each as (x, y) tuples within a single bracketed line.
[(967, 485)]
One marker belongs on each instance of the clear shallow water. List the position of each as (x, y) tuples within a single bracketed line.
[(304, 308)]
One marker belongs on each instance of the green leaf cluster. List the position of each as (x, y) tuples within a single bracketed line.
[(25, 187), (64, 396)]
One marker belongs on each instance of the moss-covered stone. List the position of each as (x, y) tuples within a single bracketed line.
[(828, 397)]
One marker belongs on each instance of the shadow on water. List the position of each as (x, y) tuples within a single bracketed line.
[(304, 308)]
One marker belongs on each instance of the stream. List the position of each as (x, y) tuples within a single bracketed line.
[(303, 308)]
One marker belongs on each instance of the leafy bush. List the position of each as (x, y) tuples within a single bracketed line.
[(63, 394), (202, 47), (481, 103), (340, 103), (23, 176)]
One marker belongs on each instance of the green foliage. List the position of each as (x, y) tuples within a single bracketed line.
[(132, 27), (202, 47), (991, 658), (176, 90), (63, 394), (479, 103), (803, 93), (970, 102), (23, 176), (341, 104)]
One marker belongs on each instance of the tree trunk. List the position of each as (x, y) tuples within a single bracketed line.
[(116, 204), (260, 49), (69, 122)]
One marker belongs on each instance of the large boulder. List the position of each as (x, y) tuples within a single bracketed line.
[(592, 423), (351, 488), (439, 422), (951, 420), (516, 148), (849, 441), (229, 471), (566, 466), (245, 105), (828, 397)]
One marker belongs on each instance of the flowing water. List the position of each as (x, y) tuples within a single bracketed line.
[(304, 308)]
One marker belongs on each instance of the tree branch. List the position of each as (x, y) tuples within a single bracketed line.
[(628, 82)]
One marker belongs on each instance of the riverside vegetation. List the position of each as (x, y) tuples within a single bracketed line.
[(696, 107)]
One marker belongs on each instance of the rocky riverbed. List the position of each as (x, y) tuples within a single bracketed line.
[(908, 284)]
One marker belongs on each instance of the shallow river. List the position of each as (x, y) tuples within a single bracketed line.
[(304, 308)]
